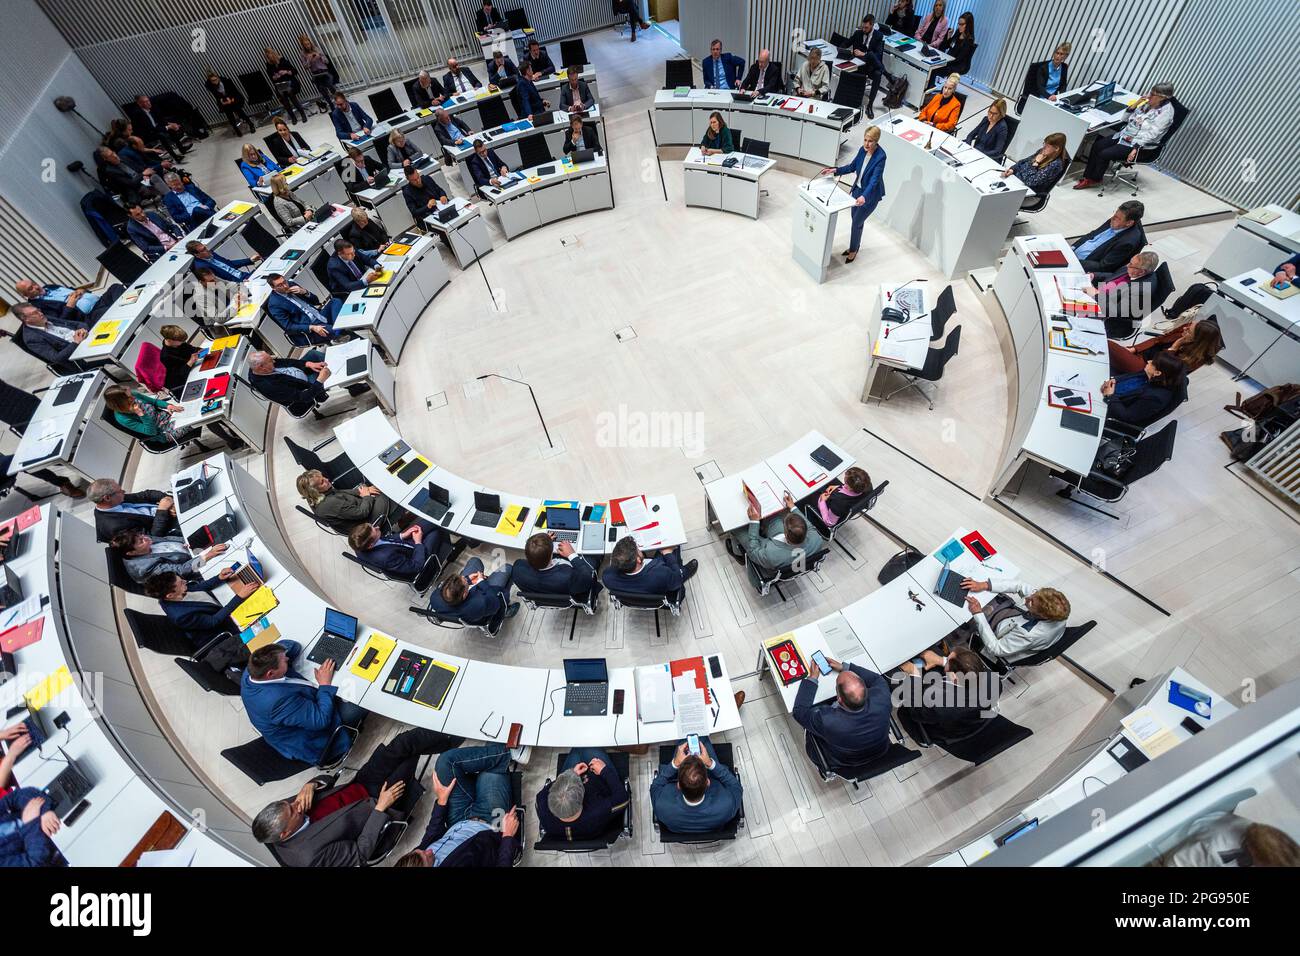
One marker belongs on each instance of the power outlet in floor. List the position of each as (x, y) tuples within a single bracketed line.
[(626, 333), (437, 400)]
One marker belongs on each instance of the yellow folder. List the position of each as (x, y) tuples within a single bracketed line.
[(48, 689), (228, 341), (383, 646), (512, 521), (385, 278), (239, 208), (254, 606)]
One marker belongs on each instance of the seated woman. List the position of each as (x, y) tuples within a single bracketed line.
[(582, 136), (401, 152), (1142, 398), (814, 78), (1045, 168), (991, 134), (834, 501), (288, 208), (256, 166), (960, 43), (1196, 343), (944, 109), (717, 138), (178, 355), (365, 231), (145, 415)]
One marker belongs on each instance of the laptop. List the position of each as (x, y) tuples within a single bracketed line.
[(11, 592), (581, 156), (1106, 101), (564, 523), (194, 492), (545, 170), (17, 545), (325, 212), (336, 640), (215, 532), (586, 691), (68, 789), (487, 509), (249, 572), (949, 586), (209, 230), (447, 213), (433, 500), (68, 391)]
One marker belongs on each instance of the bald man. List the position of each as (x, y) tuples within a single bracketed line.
[(763, 76), (854, 728)]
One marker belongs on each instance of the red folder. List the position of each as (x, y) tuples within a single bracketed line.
[(217, 386), (1047, 259), (678, 668), (19, 637), (616, 508)]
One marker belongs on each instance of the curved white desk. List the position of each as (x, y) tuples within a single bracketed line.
[(551, 192), (710, 184)]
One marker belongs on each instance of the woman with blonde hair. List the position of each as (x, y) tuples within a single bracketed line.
[(401, 152), (991, 134), (814, 79), (934, 28), (944, 109), (256, 166), (284, 77), (288, 208), (1049, 78)]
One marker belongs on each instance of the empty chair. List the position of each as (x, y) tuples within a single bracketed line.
[(678, 72), (122, 263), (642, 602), (492, 113), (384, 105), (257, 91), (338, 469), (1151, 452), (258, 239), (537, 601), (757, 147), (533, 151), (573, 53), (935, 361), (943, 309), (850, 90), (157, 633), (999, 734)]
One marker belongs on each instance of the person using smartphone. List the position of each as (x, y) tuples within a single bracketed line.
[(853, 728)]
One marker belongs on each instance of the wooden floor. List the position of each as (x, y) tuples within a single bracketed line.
[(734, 352)]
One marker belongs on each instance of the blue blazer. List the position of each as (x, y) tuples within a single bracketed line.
[(483, 171), (23, 844), (229, 269), (528, 102), (873, 181), (482, 604), (720, 804), (731, 65), (202, 620), (341, 123), (296, 323), (252, 174), (659, 575), (847, 739), (145, 240), (176, 209), (405, 559), (341, 280), (575, 579), (296, 719)]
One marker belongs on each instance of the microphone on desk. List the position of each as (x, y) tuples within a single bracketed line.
[(971, 117)]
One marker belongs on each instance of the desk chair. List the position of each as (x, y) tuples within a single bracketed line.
[(263, 764), (384, 105), (453, 623), (1013, 124), (338, 469), (308, 513), (56, 368), (619, 600), (999, 734), (764, 580), (678, 72), (724, 755), (859, 508), (157, 633), (851, 89), (533, 151), (1037, 202), (757, 147), (122, 263), (943, 309), (9, 482), (299, 409), (896, 756), (537, 601), (573, 53), (1070, 637), (838, 39), (1152, 452), (258, 93), (118, 576), (1025, 87), (491, 114), (422, 580), (258, 239), (156, 446), (619, 825), (935, 362), (1145, 157)]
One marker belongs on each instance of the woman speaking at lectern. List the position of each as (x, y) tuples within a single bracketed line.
[(868, 168)]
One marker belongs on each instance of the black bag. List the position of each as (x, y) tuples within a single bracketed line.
[(895, 92), (1198, 293), (907, 558), (1239, 448), (1115, 455)]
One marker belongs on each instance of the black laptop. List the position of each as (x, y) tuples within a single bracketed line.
[(215, 532), (487, 509), (586, 690), (826, 458), (447, 213), (336, 640), (17, 545), (581, 156), (11, 592), (68, 789), (433, 500)]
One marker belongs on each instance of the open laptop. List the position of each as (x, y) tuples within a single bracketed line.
[(214, 532), (11, 592), (336, 640), (194, 493), (433, 500), (581, 156), (948, 586), (447, 213), (68, 789), (586, 691), (564, 523), (17, 545), (487, 509), (1106, 101)]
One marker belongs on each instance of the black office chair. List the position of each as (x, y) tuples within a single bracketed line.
[(764, 580), (1146, 157), (263, 764), (338, 469), (320, 267), (573, 53), (1151, 452), (536, 601), (258, 239), (117, 573), (618, 600), (678, 72), (533, 151), (944, 307), (724, 755), (1069, 637), (122, 263), (935, 362), (492, 113), (257, 92), (384, 105), (859, 508), (157, 633), (839, 40), (421, 581), (1037, 202), (1026, 87), (56, 368), (1013, 124), (450, 622), (850, 90), (517, 19), (757, 147), (896, 756), (996, 736), (156, 446), (737, 141), (619, 824)]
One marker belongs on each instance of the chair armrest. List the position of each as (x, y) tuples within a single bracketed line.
[(1106, 479), (1122, 429)]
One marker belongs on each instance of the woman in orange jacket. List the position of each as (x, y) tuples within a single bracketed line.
[(944, 109)]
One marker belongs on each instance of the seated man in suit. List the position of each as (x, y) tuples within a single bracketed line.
[(528, 101), (120, 178), (450, 132), (199, 619), (1125, 297), (186, 203), (580, 135), (556, 569), (575, 96), (156, 126), (721, 70), (475, 598), (153, 512), (584, 799), (664, 574), (489, 18), (295, 716), (152, 234), (350, 268), (1106, 249), (50, 338), (424, 92), (231, 270), (342, 508), (867, 43), (304, 318), (948, 710), (854, 728), (540, 59), (471, 791), (763, 76), (297, 384), (340, 825), (695, 794), (786, 538), (350, 120), (143, 555), (64, 302), (502, 72), (486, 168), (1007, 631), (423, 194), (404, 555), (458, 79)]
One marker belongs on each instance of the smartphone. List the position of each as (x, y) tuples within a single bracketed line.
[(1246, 282), (693, 745), (618, 700), (1191, 726), (819, 659)]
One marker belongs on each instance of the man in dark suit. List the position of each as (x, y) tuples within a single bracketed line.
[(1046, 79), (200, 620), (425, 93), (502, 71), (868, 45), (764, 76), (120, 178), (458, 79), (528, 101), (450, 132), (721, 71), (153, 234), (582, 801), (231, 270), (423, 194), (340, 825), (695, 794), (852, 730), (575, 95), (52, 339), (350, 120), (664, 574), (153, 512), (474, 597), (297, 384), (472, 792), (556, 570), (489, 18), (1107, 248), (405, 555), (951, 711), (304, 318), (186, 203), (1126, 296), (540, 59), (485, 167), (154, 126), (350, 268)]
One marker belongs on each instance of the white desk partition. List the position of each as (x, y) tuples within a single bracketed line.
[(466, 232), (550, 192), (1256, 244), (67, 435), (1261, 333), (735, 188), (241, 409), (388, 202), (816, 217), (1042, 117), (419, 274)]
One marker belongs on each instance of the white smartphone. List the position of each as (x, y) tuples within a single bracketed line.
[(693, 744)]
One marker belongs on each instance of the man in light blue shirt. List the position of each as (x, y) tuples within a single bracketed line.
[(1111, 245), (717, 68)]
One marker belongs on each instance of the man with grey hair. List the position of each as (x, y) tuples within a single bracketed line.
[(450, 132), (297, 384), (424, 92), (51, 339), (1126, 296), (1145, 130), (186, 203), (153, 512), (580, 803), (328, 825)]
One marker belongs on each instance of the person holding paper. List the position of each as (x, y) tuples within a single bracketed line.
[(854, 728), (199, 620), (350, 269), (785, 540), (1124, 296), (422, 193), (663, 575)]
